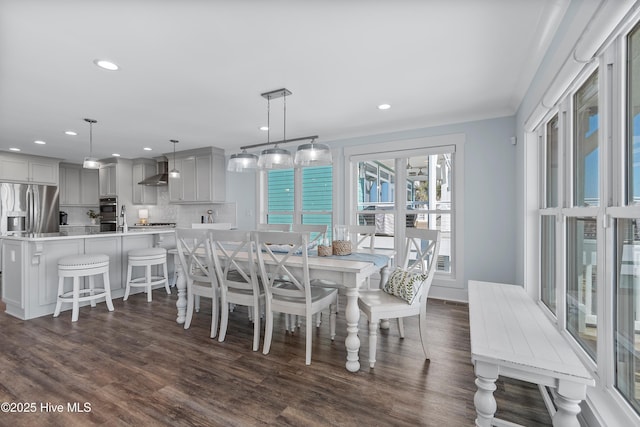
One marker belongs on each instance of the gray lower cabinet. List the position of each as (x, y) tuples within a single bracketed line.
[(30, 267)]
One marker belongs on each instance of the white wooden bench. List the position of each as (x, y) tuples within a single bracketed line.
[(511, 336)]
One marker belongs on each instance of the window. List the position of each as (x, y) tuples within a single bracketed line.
[(552, 152), (280, 196), (302, 196), (633, 118), (627, 243), (589, 220), (424, 181), (548, 263), (317, 196), (627, 309), (586, 153), (582, 283)]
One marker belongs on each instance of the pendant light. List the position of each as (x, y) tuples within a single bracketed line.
[(313, 154), (242, 162), (91, 162), (174, 173), (310, 154), (276, 158)]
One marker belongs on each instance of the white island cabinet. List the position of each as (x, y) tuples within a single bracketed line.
[(30, 265)]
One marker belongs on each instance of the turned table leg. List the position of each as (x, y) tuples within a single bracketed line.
[(352, 342), (181, 286), (384, 276)]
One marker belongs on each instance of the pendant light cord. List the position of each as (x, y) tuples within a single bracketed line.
[(285, 117), (90, 139), (268, 119)]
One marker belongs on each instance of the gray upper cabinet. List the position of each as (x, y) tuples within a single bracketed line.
[(78, 186), (28, 169), (115, 179), (202, 176), (144, 194)]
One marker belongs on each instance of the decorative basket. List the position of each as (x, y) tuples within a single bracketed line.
[(341, 247), (325, 250)]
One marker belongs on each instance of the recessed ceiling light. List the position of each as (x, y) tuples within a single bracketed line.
[(147, 149), (104, 64), (116, 155), (70, 132), (265, 128), (39, 142), (384, 106), (14, 149)]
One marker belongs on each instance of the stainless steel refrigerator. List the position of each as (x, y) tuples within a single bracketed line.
[(28, 208)]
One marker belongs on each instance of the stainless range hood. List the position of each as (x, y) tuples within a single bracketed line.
[(159, 179)]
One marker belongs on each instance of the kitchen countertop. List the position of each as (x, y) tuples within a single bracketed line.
[(63, 236)]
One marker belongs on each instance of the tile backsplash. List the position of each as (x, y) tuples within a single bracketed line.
[(183, 215)]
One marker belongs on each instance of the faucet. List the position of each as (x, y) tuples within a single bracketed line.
[(123, 211)]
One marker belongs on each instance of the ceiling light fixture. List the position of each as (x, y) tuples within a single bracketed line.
[(71, 133), (91, 162), (275, 157), (147, 148), (174, 173), (384, 106), (106, 65), (14, 149), (39, 142), (313, 154), (116, 155)]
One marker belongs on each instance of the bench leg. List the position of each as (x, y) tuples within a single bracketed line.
[(484, 401), (568, 398), (566, 415)]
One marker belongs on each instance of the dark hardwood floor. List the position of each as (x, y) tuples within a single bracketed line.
[(137, 366)]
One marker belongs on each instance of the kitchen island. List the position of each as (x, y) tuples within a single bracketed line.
[(30, 264)]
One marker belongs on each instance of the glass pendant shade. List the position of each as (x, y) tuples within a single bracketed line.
[(242, 162), (174, 173), (91, 163), (313, 155), (275, 158)]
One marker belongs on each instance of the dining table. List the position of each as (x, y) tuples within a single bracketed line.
[(350, 272)]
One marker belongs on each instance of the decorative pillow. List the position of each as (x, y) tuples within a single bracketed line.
[(404, 284)]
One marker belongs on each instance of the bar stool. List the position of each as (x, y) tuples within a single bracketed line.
[(147, 258), (77, 266)]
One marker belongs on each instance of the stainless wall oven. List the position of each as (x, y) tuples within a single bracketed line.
[(108, 214)]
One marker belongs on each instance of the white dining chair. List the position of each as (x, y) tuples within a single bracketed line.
[(362, 236), (196, 259), (273, 227), (236, 270), (297, 296), (317, 232), (213, 225), (405, 293)]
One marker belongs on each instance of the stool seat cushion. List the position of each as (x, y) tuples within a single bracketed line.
[(147, 252), (82, 260)]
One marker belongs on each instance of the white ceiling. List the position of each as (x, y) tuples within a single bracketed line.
[(193, 70)]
